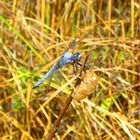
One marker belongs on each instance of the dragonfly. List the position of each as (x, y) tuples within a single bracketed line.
[(65, 59)]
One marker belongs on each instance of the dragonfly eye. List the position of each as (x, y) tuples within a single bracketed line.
[(76, 56)]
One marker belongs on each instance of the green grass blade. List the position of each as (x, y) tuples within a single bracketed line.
[(21, 37)]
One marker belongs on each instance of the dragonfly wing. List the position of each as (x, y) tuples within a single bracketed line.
[(49, 82), (74, 42), (71, 45)]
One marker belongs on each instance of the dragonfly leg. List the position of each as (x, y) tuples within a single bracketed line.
[(74, 69), (75, 66), (78, 63)]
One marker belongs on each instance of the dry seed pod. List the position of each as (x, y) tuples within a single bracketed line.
[(87, 86)]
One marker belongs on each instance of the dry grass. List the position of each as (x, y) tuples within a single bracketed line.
[(34, 34)]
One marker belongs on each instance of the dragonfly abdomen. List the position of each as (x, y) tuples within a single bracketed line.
[(48, 74)]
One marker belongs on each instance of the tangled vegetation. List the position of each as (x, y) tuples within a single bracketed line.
[(34, 34)]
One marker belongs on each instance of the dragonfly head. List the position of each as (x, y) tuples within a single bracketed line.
[(76, 56)]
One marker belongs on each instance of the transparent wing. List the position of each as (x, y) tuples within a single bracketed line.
[(74, 42), (49, 82)]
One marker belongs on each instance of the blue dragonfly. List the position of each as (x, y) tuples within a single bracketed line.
[(65, 59)]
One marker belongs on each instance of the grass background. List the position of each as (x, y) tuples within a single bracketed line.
[(33, 34)]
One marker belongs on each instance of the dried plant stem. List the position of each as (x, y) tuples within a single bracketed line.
[(57, 122)]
